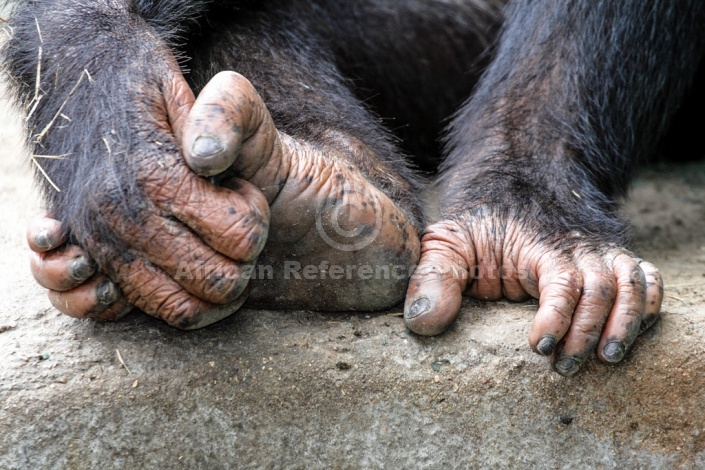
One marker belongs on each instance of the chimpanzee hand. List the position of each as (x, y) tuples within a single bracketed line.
[(68, 273), (325, 215), (105, 110), (147, 217), (591, 296)]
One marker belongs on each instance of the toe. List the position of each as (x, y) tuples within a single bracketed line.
[(435, 293)]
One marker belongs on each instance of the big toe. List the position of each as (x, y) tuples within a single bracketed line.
[(435, 293)]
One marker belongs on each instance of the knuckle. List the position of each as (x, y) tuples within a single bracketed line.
[(600, 288), (569, 282), (629, 275), (563, 310), (446, 231), (590, 330), (448, 242), (652, 274)]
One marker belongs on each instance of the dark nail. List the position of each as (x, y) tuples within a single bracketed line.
[(567, 366), (613, 351), (81, 269), (106, 293), (546, 345), (206, 146), (43, 240), (419, 307)]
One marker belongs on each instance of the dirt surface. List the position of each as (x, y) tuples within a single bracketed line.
[(309, 390)]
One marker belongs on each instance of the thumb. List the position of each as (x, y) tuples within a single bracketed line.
[(436, 289), (229, 126)]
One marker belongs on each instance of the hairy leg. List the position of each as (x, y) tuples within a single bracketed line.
[(537, 160)]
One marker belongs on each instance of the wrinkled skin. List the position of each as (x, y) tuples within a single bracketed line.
[(590, 298), (308, 199), (535, 163)]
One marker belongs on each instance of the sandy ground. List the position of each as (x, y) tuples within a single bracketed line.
[(308, 390)]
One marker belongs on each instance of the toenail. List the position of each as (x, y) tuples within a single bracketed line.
[(546, 345), (106, 293), (567, 366), (43, 240), (206, 146), (613, 351), (80, 269), (419, 307)]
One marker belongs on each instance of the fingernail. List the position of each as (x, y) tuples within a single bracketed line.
[(613, 351), (106, 293), (43, 240), (567, 366), (419, 307), (546, 345), (80, 269), (206, 146)]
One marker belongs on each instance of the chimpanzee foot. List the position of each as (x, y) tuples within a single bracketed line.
[(591, 297), (335, 241)]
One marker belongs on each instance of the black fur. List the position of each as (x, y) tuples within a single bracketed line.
[(575, 93), (578, 93)]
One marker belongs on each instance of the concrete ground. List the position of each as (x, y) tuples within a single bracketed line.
[(310, 390)]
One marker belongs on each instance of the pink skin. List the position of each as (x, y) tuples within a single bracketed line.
[(591, 299), (224, 228)]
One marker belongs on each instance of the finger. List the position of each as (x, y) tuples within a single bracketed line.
[(185, 258), (62, 269), (44, 234), (151, 290), (228, 126), (598, 295), (92, 299), (179, 99), (233, 222), (559, 288), (625, 319), (435, 292), (654, 295)]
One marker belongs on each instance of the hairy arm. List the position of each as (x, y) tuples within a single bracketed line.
[(106, 101)]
